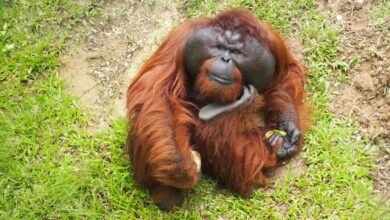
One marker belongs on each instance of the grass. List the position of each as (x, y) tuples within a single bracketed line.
[(52, 167), (379, 16)]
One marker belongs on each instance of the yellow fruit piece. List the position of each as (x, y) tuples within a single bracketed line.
[(269, 133), (281, 133)]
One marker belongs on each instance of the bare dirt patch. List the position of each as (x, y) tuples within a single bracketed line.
[(366, 95), (99, 66)]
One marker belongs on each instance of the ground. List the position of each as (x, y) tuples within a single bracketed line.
[(365, 50), (98, 69), (64, 70), (100, 64)]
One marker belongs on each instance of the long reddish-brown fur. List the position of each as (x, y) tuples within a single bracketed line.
[(164, 126)]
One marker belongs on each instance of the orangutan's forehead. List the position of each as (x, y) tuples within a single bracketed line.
[(232, 37), (221, 35)]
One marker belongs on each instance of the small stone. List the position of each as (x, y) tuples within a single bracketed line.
[(364, 82)]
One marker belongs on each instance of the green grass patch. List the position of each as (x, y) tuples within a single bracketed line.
[(380, 16), (52, 167)]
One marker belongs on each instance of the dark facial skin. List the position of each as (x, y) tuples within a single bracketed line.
[(229, 49)]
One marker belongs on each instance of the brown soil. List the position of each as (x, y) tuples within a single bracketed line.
[(99, 66), (366, 95)]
